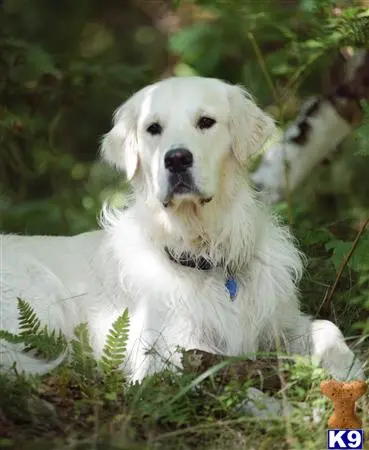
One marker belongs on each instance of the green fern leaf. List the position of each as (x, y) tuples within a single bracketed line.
[(356, 31), (353, 31), (29, 323), (10, 337), (82, 358), (114, 352), (45, 344)]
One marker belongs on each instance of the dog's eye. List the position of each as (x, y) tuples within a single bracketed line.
[(205, 122), (154, 128)]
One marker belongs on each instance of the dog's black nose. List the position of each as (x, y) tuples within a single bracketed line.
[(178, 160)]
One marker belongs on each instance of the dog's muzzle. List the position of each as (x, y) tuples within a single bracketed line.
[(178, 162)]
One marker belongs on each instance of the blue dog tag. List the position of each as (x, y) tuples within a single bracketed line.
[(231, 285)]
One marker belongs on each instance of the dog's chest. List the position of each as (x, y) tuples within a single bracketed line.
[(185, 306), (196, 309)]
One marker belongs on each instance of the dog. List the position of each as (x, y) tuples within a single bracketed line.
[(198, 261)]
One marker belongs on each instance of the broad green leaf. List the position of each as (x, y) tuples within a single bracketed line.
[(359, 260)]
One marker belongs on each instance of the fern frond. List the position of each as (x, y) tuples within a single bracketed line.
[(10, 337), (352, 31), (82, 358), (45, 344), (357, 31), (48, 345), (114, 352), (29, 323)]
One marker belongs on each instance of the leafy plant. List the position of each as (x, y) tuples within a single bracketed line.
[(115, 349), (82, 358), (114, 355), (47, 344)]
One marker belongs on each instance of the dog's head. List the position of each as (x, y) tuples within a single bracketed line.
[(179, 133)]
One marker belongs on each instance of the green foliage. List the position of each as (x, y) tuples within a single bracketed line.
[(114, 356), (362, 133), (114, 352), (47, 344), (14, 394), (311, 38), (82, 358), (92, 398), (359, 261), (351, 28), (57, 94)]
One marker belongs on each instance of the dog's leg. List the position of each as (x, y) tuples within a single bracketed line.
[(148, 349), (324, 342), (333, 354)]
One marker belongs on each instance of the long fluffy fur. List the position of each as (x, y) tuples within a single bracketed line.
[(96, 275)]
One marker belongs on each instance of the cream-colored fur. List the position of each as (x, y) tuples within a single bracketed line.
[(94, 276)]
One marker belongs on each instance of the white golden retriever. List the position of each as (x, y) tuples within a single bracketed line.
[(199, 262)]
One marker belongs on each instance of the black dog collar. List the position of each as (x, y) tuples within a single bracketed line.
[(188, 260), (201, 263)]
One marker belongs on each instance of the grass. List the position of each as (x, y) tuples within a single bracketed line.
[(165, 411)]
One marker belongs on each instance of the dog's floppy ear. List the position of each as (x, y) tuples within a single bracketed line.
[(250, 126), (119, 146)]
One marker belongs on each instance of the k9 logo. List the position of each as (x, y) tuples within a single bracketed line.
[(345, 439)]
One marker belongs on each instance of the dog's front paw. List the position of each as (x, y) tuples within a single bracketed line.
[(343, 367)]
